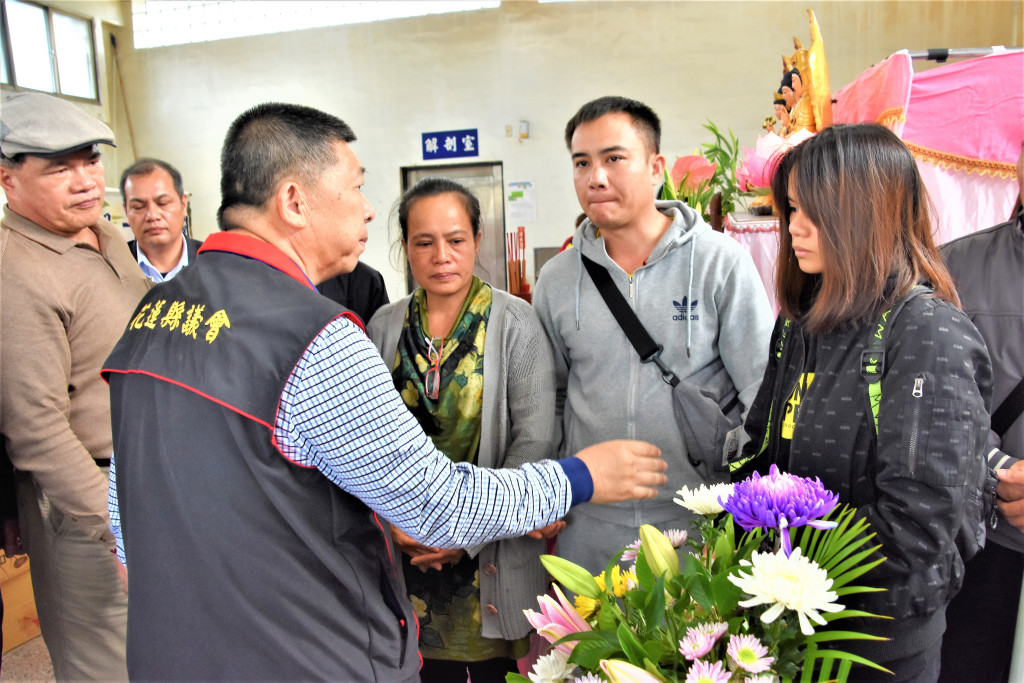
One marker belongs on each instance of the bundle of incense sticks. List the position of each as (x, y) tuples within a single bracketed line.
[(516, 257)]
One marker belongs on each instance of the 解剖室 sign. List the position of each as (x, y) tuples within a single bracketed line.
[(450, 143)]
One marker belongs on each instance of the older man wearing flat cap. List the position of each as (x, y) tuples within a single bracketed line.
[(68, 285)]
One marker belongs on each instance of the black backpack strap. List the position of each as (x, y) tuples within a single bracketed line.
[(872, 359), (646, 347), (1009, 410)]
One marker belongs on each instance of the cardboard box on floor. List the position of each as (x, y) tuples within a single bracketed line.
[(21, 622)]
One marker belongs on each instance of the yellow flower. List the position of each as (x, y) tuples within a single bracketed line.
[(586, 607), (621, 581), (418, 606)]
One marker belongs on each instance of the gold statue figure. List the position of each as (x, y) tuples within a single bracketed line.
[(805, 87)]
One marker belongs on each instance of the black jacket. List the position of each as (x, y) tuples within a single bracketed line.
[(914, 481), (362, 291), (190, 244), (988, 267)]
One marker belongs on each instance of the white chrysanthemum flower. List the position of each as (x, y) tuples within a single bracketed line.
[(551, 668), (794, 583), (703, 500)]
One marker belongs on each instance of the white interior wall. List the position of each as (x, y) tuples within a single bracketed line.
[(486, 69)]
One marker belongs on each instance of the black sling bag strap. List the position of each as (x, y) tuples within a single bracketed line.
[(711, 433), (1009, 410), (646, 347)]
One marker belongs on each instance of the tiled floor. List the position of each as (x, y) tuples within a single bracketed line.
[(27, 663)]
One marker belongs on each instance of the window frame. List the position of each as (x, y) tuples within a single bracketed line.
[(11, 75)]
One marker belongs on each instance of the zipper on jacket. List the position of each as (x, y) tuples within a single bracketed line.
[(404, 629), (633, 386), (917, 393)]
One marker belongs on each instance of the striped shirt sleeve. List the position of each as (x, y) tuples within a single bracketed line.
[(115, 512), (340, 413)]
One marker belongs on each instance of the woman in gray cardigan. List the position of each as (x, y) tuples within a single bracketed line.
[(474, 367)]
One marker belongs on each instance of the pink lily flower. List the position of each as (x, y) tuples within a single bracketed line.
[(556, 620), (758, 164), (689, 172), (619, 671), (751, 173)]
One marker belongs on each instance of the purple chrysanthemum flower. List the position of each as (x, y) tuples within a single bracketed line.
[(780, 501), (696, 644)]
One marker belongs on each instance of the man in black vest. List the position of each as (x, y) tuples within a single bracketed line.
[(261, 448), (156, 206)]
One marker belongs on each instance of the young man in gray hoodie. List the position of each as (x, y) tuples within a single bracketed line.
[(696, 292)]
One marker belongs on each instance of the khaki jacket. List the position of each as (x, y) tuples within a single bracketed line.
[(63, 306)]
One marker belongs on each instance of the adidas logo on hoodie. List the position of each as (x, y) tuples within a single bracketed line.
[(685, 308)]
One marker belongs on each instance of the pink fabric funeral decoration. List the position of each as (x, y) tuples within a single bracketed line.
[(964, 123)]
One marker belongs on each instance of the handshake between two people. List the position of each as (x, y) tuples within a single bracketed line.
[(620, 470)]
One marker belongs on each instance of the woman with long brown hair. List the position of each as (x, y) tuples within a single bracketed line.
[(876, 382)]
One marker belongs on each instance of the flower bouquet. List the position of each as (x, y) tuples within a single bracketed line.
[(743, 605)]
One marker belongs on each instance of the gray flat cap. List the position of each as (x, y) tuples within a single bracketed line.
[(45, 126)]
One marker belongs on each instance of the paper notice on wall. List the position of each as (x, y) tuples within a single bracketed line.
[(522, 202)]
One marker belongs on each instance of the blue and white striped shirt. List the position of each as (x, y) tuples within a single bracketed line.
[(339, 412)]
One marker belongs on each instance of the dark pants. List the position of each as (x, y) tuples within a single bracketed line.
[(981, 620), (487, 671), (922, 667)]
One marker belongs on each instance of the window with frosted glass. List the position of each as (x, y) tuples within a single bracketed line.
[(30, 46), (75, 63), (5, 76), (47, 50)]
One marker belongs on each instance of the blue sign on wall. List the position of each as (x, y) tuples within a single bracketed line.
[(450, 143)]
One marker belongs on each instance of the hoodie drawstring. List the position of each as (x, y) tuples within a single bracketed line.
[(689, 296), (579, 283)]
